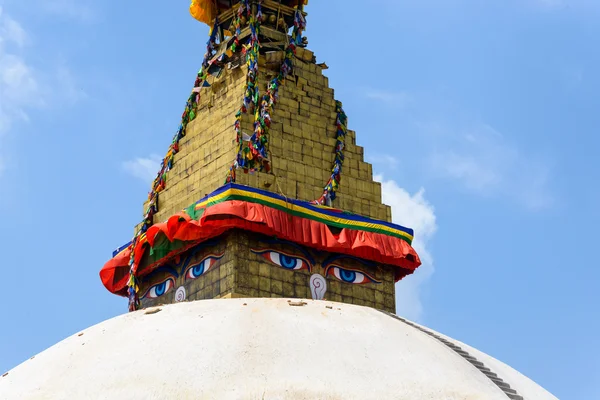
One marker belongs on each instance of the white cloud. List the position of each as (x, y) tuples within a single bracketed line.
[(385, 160), (467, 168), (23, 87), (80, 10), (484, 162), (395, 99), (143, 168), (412, 211), (18, 86), (11, 30), (473, 155)]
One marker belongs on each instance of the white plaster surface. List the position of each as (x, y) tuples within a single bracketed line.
[(254, 349), (523, 385)]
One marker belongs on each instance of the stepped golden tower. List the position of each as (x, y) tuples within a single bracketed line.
[(263, 191)]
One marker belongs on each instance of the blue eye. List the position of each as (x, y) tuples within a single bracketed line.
[(347, 276), (286, 261), (160, 289), (350, 276), (196, 271)]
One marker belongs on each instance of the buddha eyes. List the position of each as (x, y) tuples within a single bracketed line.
[(197, 270), (296, 263), (284, 260), (349, 276), (193, 271), (160, 289)]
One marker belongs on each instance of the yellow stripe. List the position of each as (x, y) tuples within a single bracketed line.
[(214, 198), (304, 210)]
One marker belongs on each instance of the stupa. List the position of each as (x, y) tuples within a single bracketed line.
[(265, 264)]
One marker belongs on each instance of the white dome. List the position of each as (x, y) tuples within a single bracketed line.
[(262, 349)]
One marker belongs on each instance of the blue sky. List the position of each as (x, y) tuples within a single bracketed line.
[(481, 119)]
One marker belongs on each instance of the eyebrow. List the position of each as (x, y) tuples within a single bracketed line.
[(329, 261), (194, 252), (291, 244), (186, 265), (170, 270)]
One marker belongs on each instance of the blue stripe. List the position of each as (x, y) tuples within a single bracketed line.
[(120, 249)]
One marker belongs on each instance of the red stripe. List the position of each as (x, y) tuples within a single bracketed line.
[(265, 220)]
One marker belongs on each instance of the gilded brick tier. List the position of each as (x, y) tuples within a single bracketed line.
[(302, 142)]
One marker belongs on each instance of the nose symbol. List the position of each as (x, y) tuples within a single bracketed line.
[(318, 287), (180, 294)]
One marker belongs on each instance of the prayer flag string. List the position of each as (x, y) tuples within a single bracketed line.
[(253, 149), (160, 182), (333, 184)]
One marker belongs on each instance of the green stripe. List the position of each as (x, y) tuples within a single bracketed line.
[(162, 247)]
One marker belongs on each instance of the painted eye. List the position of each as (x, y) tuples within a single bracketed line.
[(350, 276), (159, 289), (287, 261), (197, 270)]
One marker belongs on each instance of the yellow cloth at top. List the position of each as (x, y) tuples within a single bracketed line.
[(206, 10)]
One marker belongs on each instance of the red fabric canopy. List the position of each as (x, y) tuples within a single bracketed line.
[(254, 217)]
